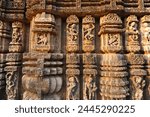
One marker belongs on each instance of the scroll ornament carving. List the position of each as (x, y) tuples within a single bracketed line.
[(11, 80)]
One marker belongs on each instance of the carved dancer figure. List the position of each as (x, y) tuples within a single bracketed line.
[(10, 81), (72, 87), (88, 35), (17, 35), (90, 87), (132, 30), (113, 40), (138, 85), (72, 32), (42, 39)]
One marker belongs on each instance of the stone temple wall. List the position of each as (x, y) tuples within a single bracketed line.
[(75, 49)]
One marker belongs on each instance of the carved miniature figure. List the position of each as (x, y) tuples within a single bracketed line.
[(138, 85), (88, 32), (42, 39), (72, 87), (72, 32), (133, 32), (17, 35), (89, 88), (113, 40)]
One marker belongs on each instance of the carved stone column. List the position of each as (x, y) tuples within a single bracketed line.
[(89, 58), (72, 58), (135, 59), (113, 80), (13, 65), (4, 42), (42, 70), (145, 41)]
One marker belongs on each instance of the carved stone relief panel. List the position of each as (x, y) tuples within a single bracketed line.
[(72, 34), (16, 45), (132, 34), (88, 33), (89, 84), (43, 33)]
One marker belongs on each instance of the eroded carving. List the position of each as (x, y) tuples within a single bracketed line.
[(72, 36), (72, 88), (137, 87), (89, 87), (88, 33), (11, 89), (132, 34)]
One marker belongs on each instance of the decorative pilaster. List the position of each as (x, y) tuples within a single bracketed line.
[(113, 73), (4, 41), (135, 59), (72, 58), (89, 58), (13, 65), (42, 70), (145, 41)]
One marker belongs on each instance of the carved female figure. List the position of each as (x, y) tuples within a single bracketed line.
[(89, 88), (72, 87)]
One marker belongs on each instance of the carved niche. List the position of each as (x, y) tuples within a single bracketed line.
[(111, 39), (17, 37), (43, 33), (132, 34)]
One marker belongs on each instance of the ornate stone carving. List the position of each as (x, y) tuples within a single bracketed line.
[(72, 58), (4, 42), (11, 89), (43, 33), (88, 33), (17, 37), (111, 60), (72, 88), (135, 60), (137, 85), (132, 34), (145, 42), (89, 84), (72, 36)]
